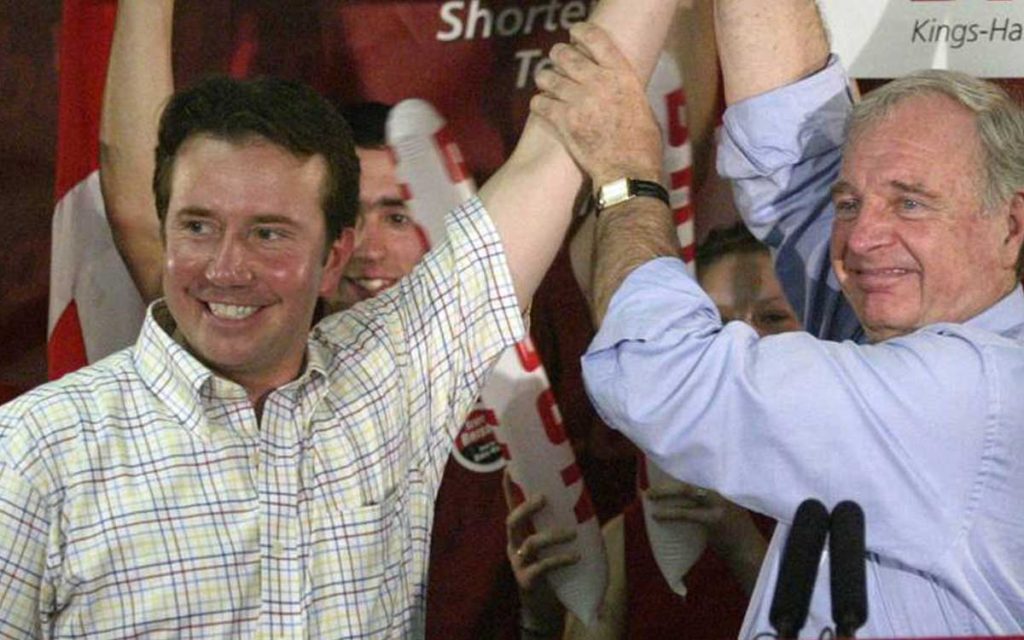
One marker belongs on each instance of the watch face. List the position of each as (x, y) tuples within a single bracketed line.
[(613, 193)]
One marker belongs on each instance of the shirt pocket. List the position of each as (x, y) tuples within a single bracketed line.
[(359, 566)]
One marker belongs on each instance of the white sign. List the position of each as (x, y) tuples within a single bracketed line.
[(888, 38)]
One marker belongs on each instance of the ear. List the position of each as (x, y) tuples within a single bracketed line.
[(337, 257), (1014, 233)]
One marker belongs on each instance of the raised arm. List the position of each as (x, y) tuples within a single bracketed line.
[(530, 198), (765, 45), (596, 102), (782, 146), (139, 82)]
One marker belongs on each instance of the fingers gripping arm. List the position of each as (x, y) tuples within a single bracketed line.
[(530, 197)]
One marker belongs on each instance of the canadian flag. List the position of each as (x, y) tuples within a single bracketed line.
[(95, 308)]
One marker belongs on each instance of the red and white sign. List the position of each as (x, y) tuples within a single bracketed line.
[(888, 38), (95, 308), (668, 101)]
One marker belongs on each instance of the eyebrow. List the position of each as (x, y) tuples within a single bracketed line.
[(916, 189), (387, 202), (192, 212), (842, 187), (273, 218), (263, 218)]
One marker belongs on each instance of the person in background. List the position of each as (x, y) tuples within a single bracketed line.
[(736, 271), (388, 242)]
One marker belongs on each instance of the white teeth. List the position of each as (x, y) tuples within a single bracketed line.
[(373, 284), (231, 311)]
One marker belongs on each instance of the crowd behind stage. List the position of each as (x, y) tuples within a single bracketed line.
[(292, 446)]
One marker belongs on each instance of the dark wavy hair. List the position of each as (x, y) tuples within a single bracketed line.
[(285, 113), (723, 241)]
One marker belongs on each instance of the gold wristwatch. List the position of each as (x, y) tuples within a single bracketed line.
[(624, 189)]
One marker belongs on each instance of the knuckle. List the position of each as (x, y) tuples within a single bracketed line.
[(544, 78), (539, 104)]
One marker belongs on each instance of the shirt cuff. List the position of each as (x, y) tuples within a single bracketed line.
[(648, 301), (779, 128), (654, 301)]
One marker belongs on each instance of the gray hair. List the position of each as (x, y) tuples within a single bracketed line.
[(998, 118)]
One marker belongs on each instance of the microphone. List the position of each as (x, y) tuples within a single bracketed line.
[(799, 568), (846, 568)]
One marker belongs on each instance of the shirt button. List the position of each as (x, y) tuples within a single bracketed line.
[(255, 458), (278, 548)]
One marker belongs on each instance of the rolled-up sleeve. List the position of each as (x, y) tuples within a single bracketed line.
[(782, 152), (770, 421)]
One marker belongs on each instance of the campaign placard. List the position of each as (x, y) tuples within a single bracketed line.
[(889, 38)]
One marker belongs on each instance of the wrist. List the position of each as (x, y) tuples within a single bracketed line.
[(624, 189), (610, 174)]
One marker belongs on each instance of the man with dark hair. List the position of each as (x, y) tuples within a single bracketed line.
[(232, 474), (389, 243), (898, 248)]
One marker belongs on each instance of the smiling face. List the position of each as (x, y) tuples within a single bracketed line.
[(245, 257), (743, 286), (911, 242), (388, 242)]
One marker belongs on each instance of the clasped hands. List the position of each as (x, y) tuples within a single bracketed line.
[(593, 99)]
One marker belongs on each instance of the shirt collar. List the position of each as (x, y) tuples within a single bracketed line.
[(186, 385), (1004, 317), (173, 374)]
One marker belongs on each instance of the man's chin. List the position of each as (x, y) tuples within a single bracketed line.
[(880, 329)]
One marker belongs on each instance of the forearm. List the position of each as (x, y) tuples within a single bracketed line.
[(139, 82), (629, 235), (764, 45), (530, 198)]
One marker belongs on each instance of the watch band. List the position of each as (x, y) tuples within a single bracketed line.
[(624, 189)]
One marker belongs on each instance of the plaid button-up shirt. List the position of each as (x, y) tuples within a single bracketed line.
[(141, 496)]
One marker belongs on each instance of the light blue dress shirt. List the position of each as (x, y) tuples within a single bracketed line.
[(925, 431)]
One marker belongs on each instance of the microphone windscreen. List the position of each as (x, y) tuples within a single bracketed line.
[(847, 568), (799, 568)]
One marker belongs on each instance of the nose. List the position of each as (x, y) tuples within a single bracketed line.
[(229, 265), (370, 242), (870, 229)]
